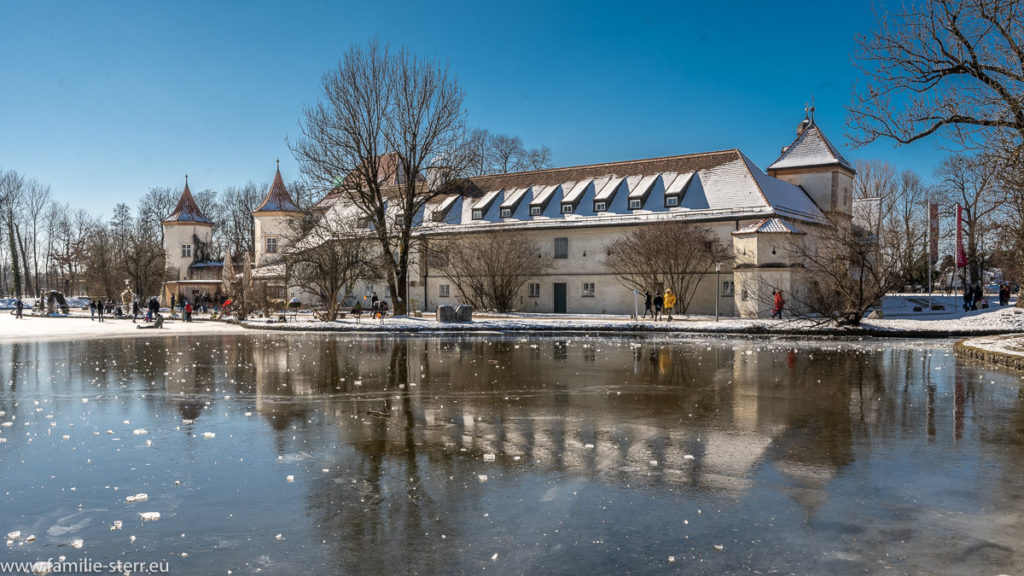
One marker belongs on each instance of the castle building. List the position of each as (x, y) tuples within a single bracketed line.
[(767, 218)]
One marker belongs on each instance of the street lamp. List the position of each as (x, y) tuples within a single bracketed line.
[(718, 286)]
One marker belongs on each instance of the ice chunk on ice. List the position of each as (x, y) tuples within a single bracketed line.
[(77, 543), (116, 525), (42, 567), (140, 497), (209, 435), (482, 477), (147, 516), (140, 431), (14, 535), (289, 478), (488, 457)]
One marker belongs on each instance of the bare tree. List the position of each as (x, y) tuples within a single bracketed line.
[(489, 269), (141, 259), (239, 228), (949, 66), (326, 254), (37, 200), (388, 120), (507, 153), (846, 271), (156, 205), (974, 183), (673, 254), (12, 189)]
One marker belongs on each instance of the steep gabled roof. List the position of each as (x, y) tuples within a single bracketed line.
[(187, 210), (811, 148), (278, 199)]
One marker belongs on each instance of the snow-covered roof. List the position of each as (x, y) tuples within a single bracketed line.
[(678, 183), (609, 189), (542, 193), (770, 226), (513, 197), (811, 148), (576, 191), (638, 189), (485, 202)]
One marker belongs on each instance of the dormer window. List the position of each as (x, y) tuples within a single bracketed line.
[(478, 214), (634, 204), (506, 212), (600, 206), (671, 201), (534, 210), (566, 208)]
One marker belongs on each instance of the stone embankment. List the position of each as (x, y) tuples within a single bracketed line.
[(1002, 351)]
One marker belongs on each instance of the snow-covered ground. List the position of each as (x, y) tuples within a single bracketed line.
[(78, 326), (899, 319)]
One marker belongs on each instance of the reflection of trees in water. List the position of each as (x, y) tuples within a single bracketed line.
[(378, 521)]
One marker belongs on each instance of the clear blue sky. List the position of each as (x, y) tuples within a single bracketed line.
[(105, 100)]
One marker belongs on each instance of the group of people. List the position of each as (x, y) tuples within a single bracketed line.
[(974, 298), (658, 303)]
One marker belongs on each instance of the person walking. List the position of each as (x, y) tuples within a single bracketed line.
[(173, 302), (135, 310), (778, 303), (979, 296), (18, 307), (648, 305), (99, 310), (188, 311), (658, 303), (92, 310), (670, 303), (968, 297)]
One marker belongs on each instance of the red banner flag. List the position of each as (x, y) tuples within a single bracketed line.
[(961, 256)]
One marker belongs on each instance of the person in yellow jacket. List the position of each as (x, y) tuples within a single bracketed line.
[(670, 303)]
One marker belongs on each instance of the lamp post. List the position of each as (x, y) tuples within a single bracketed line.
[(718, 286)]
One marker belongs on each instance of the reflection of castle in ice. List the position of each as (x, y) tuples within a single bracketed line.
[(687, 414)]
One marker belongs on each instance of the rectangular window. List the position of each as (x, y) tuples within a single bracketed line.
[(534, 290), (588, 289), (186, 250), (478, 214), (271, 245), (534, 210), (671, 201), (561, 247), (566, 208), (506, 212), (728, 289), (600, 206), (634, 204), (444, 290)]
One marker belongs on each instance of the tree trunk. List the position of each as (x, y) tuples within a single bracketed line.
[(24, 263), (16, 273)]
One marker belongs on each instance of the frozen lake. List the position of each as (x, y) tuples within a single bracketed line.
[(330, 454)]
